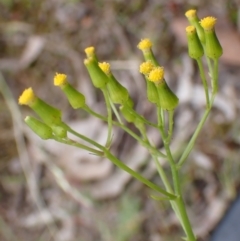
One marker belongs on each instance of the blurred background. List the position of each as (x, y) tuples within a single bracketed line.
[(49, 191)]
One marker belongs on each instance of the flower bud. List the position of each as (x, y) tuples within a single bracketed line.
[(49, 115), (152, 93), (75, 98), (213, 47), (146, 46), (195, 49), (167, 99), (99, 78), (156, 75), (146, 67), (118, 93), (194, 20), (40, 128)]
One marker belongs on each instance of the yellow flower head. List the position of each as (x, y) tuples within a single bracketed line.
[(208, 23), (60, 79), (156, 75), (27, 97), (146, 67), (145, 44), (90, 51), (190, 29), (105, 67), (191, 13)]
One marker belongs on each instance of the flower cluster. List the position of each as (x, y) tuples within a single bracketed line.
[(202, 40), (202, 37)]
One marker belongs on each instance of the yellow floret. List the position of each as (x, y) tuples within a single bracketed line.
[(190, 29), (156, 75), (191, 13), (105, 67), (208, 23), (27, 97), (90, 51), (60, 79), (146, 67), (145, 44)]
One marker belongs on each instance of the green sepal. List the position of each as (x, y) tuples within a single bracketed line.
[(148, 55), (213, 47), (75, 98), (118, 93), (167, 99), (48, 114), (40, 128), (59, 131), (200, 31), (195, 49), (152, 93), (98, 77)]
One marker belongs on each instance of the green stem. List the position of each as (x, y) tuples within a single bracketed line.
[(115, 111), (215, 77), (178, 205), (209, 64), (131, 133), (170, 125), (159, 115), (160, 170), (79, 145), (204, 81), (163, 118), (204, 117), (154, 150), (109, 111), (195, 135), (92, 112), (132, 111), (120, 164), (184, 218), (69, 129), (169, 154), (162, 176), (139, 177)]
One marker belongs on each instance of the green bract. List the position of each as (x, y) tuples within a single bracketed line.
[(98, 77), (213, 47), (49, 115), (152, 93), (167, 99), (195, 49), (75, 98), (118, 93)]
